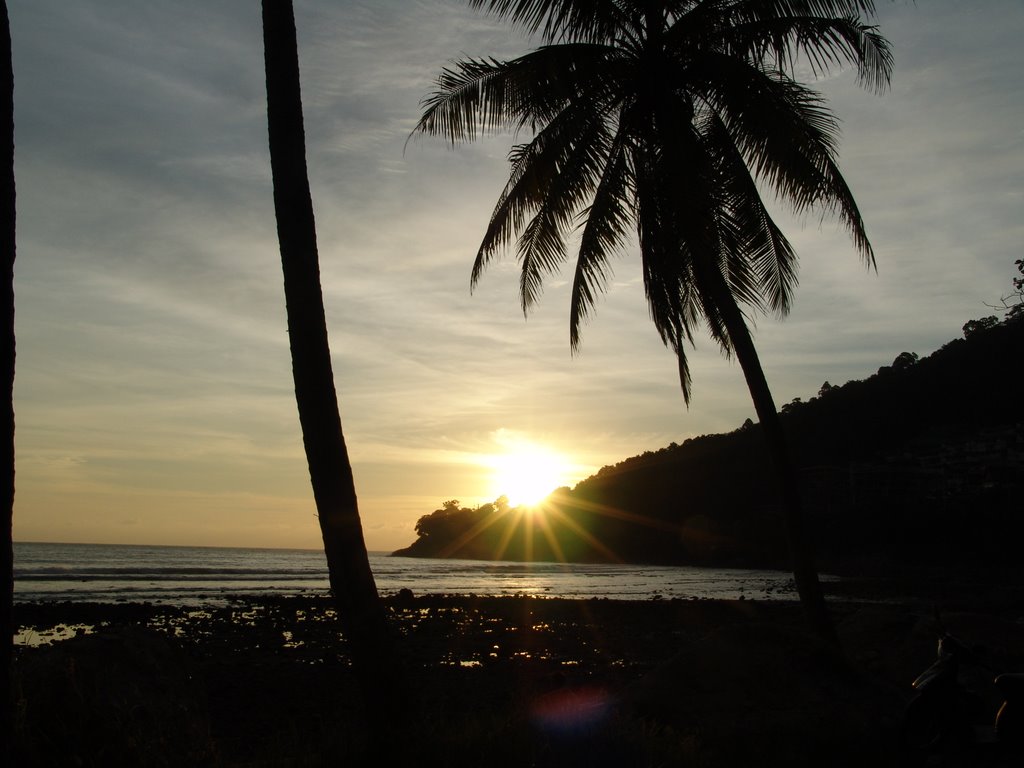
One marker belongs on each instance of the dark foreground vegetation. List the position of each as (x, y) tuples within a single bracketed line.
[(506, 681), (921, 464)]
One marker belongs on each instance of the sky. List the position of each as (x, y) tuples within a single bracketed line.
[(153, 394)]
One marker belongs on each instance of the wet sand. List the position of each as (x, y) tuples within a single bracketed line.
[(505, 681)]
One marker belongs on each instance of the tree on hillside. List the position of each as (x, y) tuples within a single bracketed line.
[(7, 253), (662, 117), (904, 360), (359, 608), (972, 327), (1012, 304)]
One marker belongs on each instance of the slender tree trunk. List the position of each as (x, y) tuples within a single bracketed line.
[(801, 547), (711, 281), (7, 253), (359, 608)]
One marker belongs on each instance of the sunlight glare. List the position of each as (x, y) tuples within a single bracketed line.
[(527, 474)]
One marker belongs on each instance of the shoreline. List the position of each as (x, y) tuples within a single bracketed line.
[(957, 588), (671, 682)]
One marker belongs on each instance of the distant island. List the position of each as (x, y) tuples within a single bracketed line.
[(920, 464)]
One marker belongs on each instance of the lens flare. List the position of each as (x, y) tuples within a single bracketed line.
[(527, 473)]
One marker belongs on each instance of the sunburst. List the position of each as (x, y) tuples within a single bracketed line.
[(527, 473)]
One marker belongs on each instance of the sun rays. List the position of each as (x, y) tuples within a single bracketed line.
[(525, 472), (534, 516), (556, 529)]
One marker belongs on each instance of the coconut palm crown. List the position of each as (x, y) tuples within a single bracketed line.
[(661, 118), (667, 119)]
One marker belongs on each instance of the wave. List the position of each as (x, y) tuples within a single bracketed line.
[(191, 575), (63, 572)]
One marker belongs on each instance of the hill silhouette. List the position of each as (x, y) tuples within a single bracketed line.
[(921, 463)]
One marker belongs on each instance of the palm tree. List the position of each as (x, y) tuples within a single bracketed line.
[(359, 608), (7, 252), (663, 117)]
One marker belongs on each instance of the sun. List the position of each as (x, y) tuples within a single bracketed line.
[(527, 473)]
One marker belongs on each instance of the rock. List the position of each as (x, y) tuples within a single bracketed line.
[(117, 697)]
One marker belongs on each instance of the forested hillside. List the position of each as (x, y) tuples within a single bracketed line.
[(920, 463)]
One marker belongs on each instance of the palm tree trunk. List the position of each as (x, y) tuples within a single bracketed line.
[(711, 282), (7, 253), (359, 607), (801, 547)]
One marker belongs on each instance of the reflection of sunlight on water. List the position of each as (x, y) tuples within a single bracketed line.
[(244, 617), (290, 641), (581, 580), (35, 637)]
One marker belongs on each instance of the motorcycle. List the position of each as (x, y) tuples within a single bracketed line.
[(944, 712)]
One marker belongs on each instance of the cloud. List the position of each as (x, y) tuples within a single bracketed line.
[(153, 372)]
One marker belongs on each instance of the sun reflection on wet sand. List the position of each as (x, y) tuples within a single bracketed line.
[(32, 636)]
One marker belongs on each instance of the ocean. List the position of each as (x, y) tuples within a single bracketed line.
[(214, 575)]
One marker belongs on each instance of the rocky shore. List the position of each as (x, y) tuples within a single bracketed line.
[(510, 681)]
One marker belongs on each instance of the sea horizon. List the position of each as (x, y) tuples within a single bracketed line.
[(207, 574)]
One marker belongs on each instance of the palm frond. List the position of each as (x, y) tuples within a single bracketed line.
[(743, 10), (775, 34), (690, 187), (685, 379), (811, 7), (541, 250), (541, 245), (755, 238), (788, 139), (678, 233), (825, 43), (475, 97), (560, 20), (534, 166), (607, 222), (471, 98)]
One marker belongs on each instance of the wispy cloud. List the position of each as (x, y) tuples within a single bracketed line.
[(154, 397)]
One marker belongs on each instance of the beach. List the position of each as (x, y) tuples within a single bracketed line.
[(505, 680)]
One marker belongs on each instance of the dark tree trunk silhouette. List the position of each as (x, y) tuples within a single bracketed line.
[(801, 546), (360, 610), (7, 249), (713, 283)]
